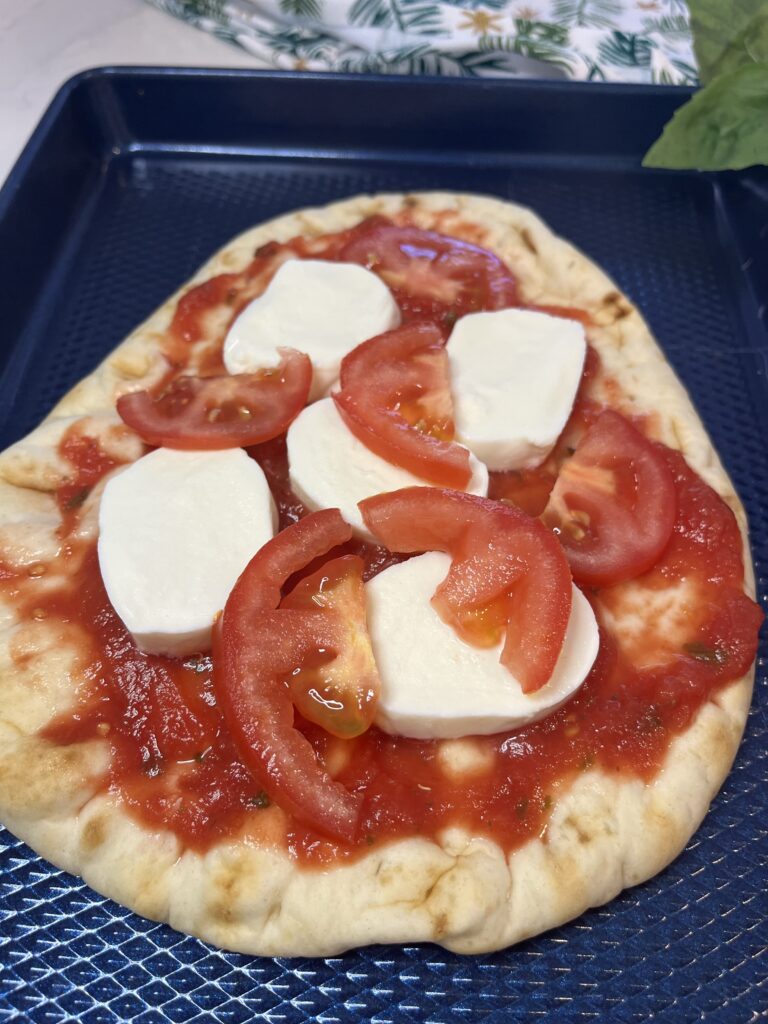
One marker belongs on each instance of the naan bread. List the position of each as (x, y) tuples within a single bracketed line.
[(604, 834)]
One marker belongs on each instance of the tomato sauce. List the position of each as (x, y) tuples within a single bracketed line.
[(91, 463), (175, 766)]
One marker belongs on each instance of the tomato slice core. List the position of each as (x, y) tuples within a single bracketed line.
[(431, 266), (613, 505), (257, 647), (229, 411), (395, 397), (508, 578), (337, 693)]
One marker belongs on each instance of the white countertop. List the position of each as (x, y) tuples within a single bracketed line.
[(45, 42)]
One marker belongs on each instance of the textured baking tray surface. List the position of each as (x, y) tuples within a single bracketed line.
[(688, 945)]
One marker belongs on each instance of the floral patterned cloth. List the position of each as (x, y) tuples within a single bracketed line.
[(596, 40)]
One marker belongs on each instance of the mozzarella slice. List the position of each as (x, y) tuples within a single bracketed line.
[(176, 529), (321, 308), (514, 377), (330, 468), (434, 685)]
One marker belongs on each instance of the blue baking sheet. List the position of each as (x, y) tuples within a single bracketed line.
[(133, 178)]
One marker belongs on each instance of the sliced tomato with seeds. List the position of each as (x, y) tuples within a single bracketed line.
[(257, 648), (613, 505), (228, 411), (509, 577), (432, 266), (395, 397), (340, 694), (528, 489)]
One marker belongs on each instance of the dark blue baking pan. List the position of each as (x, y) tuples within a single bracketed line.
[(133, 177)]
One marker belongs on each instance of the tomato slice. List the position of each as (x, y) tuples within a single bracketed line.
[(221, 412), (613, 505), (508, 577), (339, 695), (257, 647), (395, 397), (565, 312), (432, 266)]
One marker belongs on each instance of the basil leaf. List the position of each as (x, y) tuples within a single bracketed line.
[(723, 127), (714, 25), (750, 46)]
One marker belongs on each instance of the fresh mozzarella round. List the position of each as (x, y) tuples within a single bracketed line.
[(514, 377), (436, 686), (176, 529), (321, 308), (330, 468)]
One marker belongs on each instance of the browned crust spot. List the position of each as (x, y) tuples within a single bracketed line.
[(227, 885), (581, 834), (528, 242), (616, 305), (94, 834), (37, 776)]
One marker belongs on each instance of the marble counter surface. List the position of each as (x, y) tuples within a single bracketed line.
[(44, 42)]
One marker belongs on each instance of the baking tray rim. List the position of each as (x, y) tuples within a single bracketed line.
[(136, 72)]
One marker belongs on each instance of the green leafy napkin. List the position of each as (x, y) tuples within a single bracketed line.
[(596, 40)]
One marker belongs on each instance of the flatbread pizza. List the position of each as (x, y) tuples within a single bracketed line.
[(383, 586)]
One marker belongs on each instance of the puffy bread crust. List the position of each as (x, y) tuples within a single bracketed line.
[(604, 833)]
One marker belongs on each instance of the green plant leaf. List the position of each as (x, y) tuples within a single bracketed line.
[(750, 46), (722, 127), (715, 24)]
